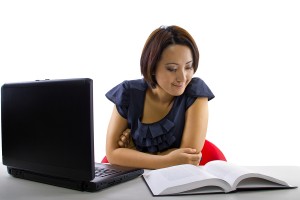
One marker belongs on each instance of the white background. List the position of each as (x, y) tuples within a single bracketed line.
[(249, 58)]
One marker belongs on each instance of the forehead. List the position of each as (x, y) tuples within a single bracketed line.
[(175, 52)]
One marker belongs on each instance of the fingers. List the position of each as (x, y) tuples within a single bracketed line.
[(189, 150), (126, 133), (124, 139), (193, 156), (121, 144), (193, 159)]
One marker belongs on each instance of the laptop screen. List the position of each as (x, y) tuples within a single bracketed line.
[(47, 127)]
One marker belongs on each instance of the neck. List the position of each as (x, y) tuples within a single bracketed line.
[(159, 95)]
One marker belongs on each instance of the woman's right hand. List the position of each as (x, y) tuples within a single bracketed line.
[(184, 156)]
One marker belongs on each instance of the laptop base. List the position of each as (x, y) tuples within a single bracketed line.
[(89, 186), (41, 178)]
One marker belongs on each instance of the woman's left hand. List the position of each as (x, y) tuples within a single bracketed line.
[(125, 140)]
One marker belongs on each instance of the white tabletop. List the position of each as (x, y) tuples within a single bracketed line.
[(13, 189)]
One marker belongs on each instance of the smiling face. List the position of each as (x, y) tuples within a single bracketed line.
[(175, 69)]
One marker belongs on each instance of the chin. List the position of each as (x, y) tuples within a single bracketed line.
[(178, 92)]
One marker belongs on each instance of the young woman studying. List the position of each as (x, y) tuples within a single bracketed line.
[(160, 120)]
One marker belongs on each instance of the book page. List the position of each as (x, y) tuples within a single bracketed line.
[(181, 178), (226, 171), (241, 177), (257, 182)]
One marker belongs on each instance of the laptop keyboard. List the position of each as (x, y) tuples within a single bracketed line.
[(102, 172)]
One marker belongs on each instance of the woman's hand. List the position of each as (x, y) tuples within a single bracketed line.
[(125, 140), (183, 156)]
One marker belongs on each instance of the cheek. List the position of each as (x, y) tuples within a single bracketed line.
[(163, 77), (161, 80), (189, 75)]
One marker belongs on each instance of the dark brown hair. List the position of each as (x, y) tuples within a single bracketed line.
[(158, 40)]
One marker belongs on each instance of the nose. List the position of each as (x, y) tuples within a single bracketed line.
[(180, 76)]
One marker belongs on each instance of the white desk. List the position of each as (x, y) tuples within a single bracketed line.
[(13, 189)]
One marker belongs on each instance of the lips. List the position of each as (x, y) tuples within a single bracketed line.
[(181, 85)]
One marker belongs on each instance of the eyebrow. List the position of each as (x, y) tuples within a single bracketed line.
[(177, 64)]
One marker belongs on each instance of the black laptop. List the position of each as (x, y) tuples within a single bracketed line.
[(48, 135)]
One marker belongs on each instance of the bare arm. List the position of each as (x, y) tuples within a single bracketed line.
[(195, 125), (134, 158)]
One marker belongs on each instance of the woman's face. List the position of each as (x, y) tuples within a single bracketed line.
[(175, 69)]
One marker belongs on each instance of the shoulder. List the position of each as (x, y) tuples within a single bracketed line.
[(198, 88), (137, 84), (121, 92)]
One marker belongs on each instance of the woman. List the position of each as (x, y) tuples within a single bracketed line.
[(160, 120)]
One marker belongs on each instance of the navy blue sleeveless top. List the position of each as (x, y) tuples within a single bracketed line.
[(129, 97)]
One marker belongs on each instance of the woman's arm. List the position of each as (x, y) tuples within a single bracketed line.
[(194, 133), (196, 121), (134, 158)]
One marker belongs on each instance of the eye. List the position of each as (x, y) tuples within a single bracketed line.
[(189, 67), (172, 69)]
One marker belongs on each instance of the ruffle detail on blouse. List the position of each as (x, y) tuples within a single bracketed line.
[(155, 137)]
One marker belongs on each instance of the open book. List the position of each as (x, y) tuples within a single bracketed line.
[(214, 177)]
